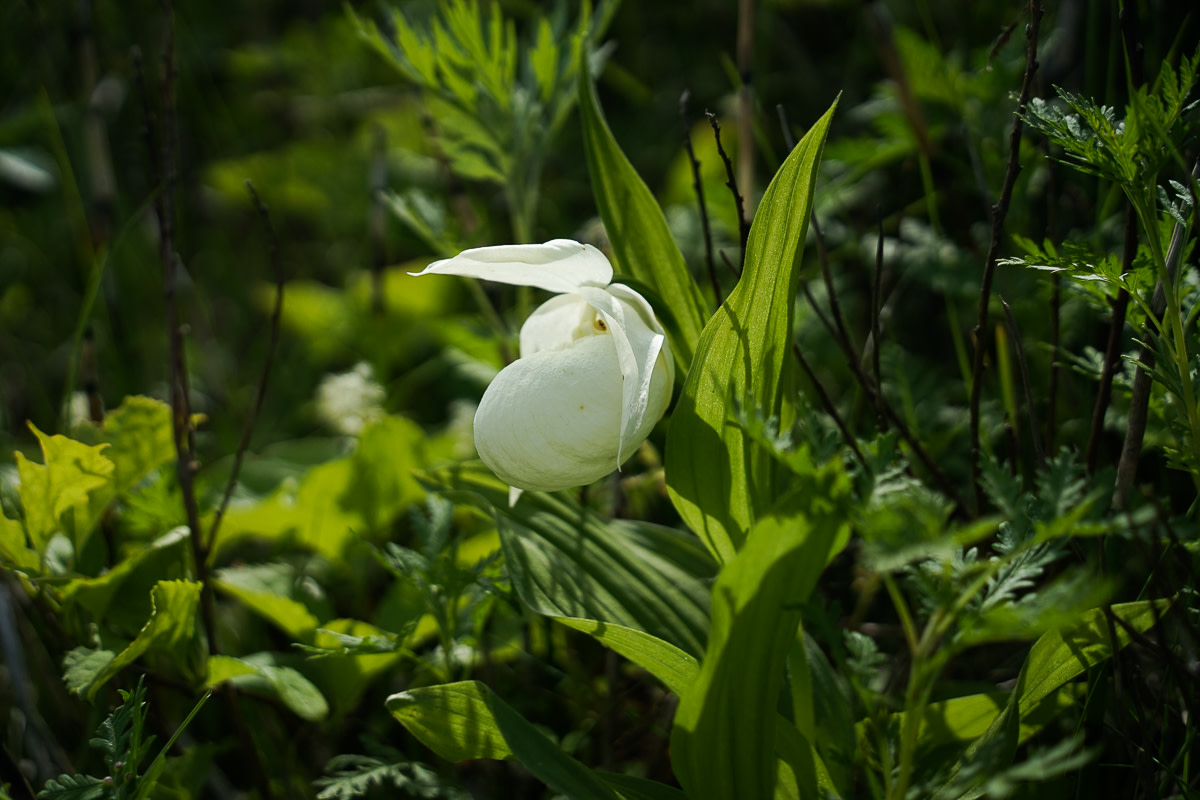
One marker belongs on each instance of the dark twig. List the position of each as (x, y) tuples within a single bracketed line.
[(1135, 59), (376, 219), (1139, 402), (731, 182), (1112, 352), (163, 177), (745, 118), (876, 299), (1023, 365), (999, 211), (699, 187), (827, 402), (1055, 311), (272, 343)]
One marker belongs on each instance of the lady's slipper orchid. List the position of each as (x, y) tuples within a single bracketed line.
[(594, 375)]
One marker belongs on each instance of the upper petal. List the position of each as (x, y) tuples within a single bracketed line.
[(556, 323), (560, 265)]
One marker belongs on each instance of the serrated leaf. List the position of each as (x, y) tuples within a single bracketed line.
[(466, 720), (140, 439), (171, 629), (14, 550), (73, 787), (641, 241), (260, 673), (122, 594), (719, 481), (72, 470), (82, 665)]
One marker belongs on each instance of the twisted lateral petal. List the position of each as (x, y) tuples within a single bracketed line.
[(637, 347), (560, 265), (550, 421)]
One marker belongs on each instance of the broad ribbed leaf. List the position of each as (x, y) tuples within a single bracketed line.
[(642, 245), (567, 562), (723, 744), (675, 668), (719, 481), (466, 720)]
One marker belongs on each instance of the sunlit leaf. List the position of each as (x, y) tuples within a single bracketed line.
[(256, 587), (720, 746), (719, 482), (71, 471), (675, 668), (461, 721)]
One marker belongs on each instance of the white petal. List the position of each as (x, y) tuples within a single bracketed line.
[(640, 345), (551, 420), (556, 323), (560, 265)]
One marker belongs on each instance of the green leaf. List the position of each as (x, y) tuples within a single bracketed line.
[(171, 629), (82, 665), (821, 707), (675, 668), (720, 482), (1061, 655), (641, 241), (140, 439), (122, 595), (1057, 657), (71, 471), (339, 501), (720, 746), (257, 587), (14, 550), (632, 788), (260, 673), (567, 562), (466, 720), (73, 787)]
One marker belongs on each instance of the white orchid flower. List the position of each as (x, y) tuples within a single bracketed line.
[(594, 375)]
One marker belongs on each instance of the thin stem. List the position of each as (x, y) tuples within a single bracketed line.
[(876, 301), (1023, 366), (731, 182), (260, 393), (1112, 352), (827, 402), (699, 187), (745, 57), (999, 212)]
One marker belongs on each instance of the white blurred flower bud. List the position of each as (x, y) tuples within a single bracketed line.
[(349, 401)]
